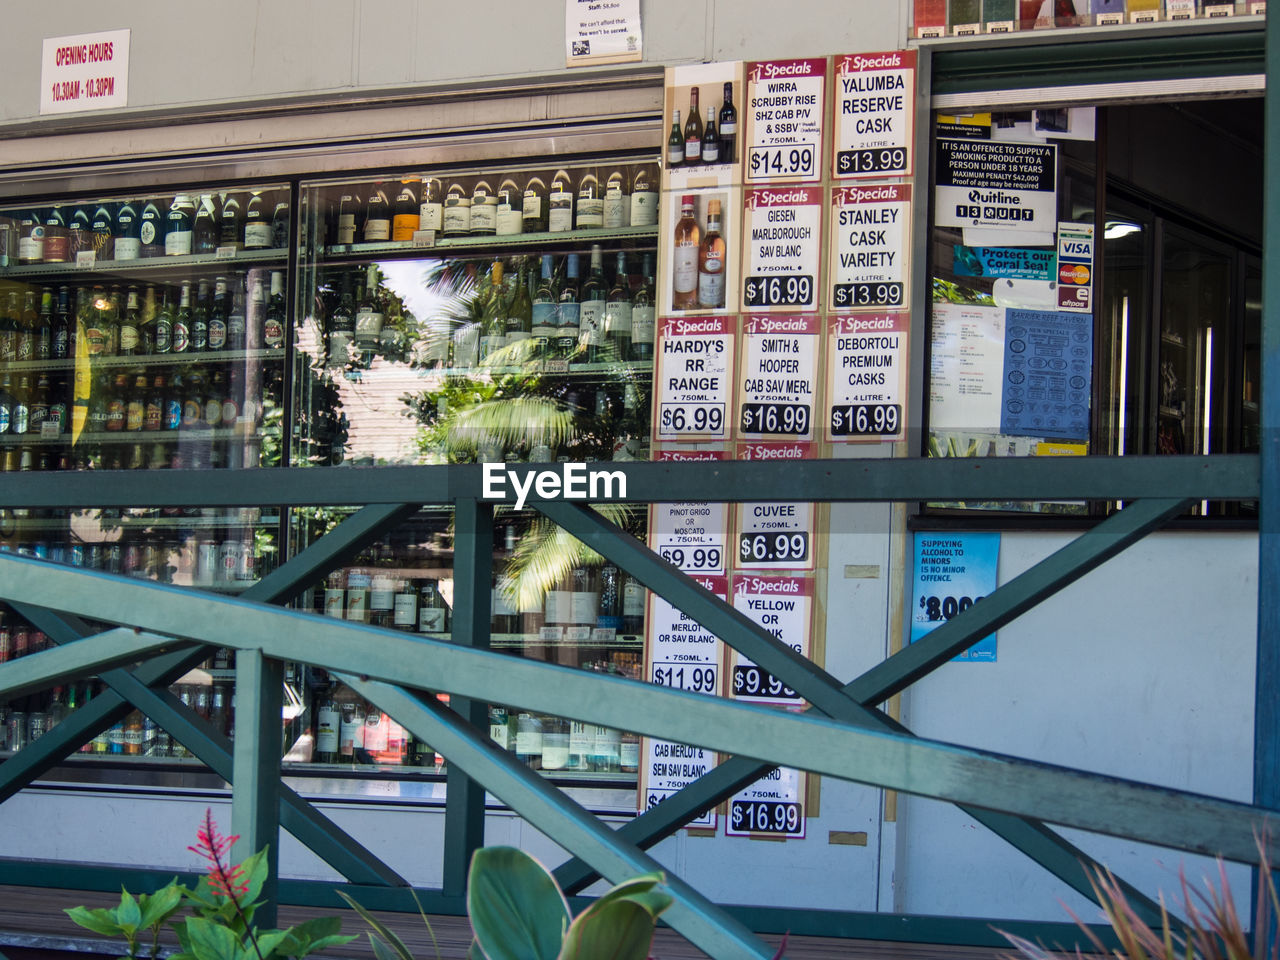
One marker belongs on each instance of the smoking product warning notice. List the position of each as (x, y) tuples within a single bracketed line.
[(777, 377), (784, 607), (684, 655), (782, 248), (870, 231), (874, 114), (784, 113), (996, 183), (692, 380), (773, 806), (866, 377)]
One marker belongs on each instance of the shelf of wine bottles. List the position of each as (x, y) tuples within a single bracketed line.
[(157, 267), (449, 246)]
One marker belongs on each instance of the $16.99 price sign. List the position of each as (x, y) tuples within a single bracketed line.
[(782, 233), (866, 377), (870, 239), (777, 377), (784, 109), (784, 607), (875, 115), (692, 385), (773, 806)]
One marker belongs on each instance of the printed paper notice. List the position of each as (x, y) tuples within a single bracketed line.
[(870, 231), (953, 572), (601, 31), (89, 71), (867, 377), (874, 115), (690, 536), (1047, 369), (773, 806), (784, 607), (782, 249), (777, 375), (966, 367), (990, 183), (785, 109)]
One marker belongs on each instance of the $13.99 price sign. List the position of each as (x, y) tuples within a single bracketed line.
[(784, 113), (777, 377), (692, 385), (784, 607), (866, 377), (782, 234), (870, 240), (773, 806), (875, 114)]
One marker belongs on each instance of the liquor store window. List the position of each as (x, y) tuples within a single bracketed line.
[(1095, 282)]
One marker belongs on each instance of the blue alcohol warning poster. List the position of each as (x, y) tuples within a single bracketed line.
[(953, 571)]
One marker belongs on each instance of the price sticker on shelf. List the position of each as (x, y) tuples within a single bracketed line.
[(684, 655), (870, 243), (784, 607), (227, 252), (774, 536), (875, 96), (690, 536), (692, 382), (782, 233), (85, 259), (777, 377), (773, 806), (866, 377), (785, 110)]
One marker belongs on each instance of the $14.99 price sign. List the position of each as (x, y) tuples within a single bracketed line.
[(782, 233), (778, 376), (869, 244), (773, 806), (866, 377), (692, 383), (784, 116), (784, 607), (875, 115)]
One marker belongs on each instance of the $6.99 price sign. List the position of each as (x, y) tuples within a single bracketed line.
[(692, 382)]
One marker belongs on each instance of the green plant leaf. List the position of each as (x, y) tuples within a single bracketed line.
[(517, 911), (128, 914), (617, 930), (380, 950), (378, 927), (212, 941), (160, 906), (645, 891), (100, 920), (269, 942), (255, 875)]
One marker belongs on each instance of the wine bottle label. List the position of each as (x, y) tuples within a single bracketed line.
[(555, 751), (327, 726), (675, 155), (56, 247), (229, 411), (431, 216), (728, 127), (617, 209), (212, 413), (376, 728), (333, 602), (172, 414), (617, 319), (711, 286), (582, 606), (685, 267), (128, 337), (95, 338), (491, 343), (382, 595), (693, 150), (217, 334), (273, 332), (457, 216), (545, 319), (403, 226), (711, 151), (590, 319), (128, 248), (561, 216), (368, 325), (431, 620), (376, 230), (633, 600), (358, 604), (558, 606), (529, 743), (406, 610), (569, 313), (629, 755), (590, 213), (516, 335), (351, 734), (532, 206), (500, 733), (510, 220), (6, 415), (644, 208), (642, 324), (346, 228), (484, 217), (148, 231), (177, 243)]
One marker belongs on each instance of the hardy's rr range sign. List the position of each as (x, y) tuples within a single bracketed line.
[(692, 383), (996, 183)]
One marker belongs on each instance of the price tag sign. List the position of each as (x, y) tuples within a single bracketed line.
[(227, 252), (782, 233), (777, 377), (784, 112), (870, 241), (684, 655), (85, 259), (874, 115), (773, 806), (953, 571), (867, 377), (690, 536), (784, 607), (775, 536), (692, 381)]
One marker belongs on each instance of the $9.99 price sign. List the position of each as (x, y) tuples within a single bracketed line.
[(870, 231), (784, 607), (777, 377), (773, 806), (866, 377), (692, 382), (784, 116), (781, 248)]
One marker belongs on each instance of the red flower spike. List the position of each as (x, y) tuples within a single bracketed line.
[(225, 879)]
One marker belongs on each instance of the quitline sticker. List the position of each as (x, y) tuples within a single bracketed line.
[(996, 183), (785, 110), (784, 607), (867, 377), (684, 655), (782, 243), (777, 386), (693, 385), (870, 229), (874, 115)]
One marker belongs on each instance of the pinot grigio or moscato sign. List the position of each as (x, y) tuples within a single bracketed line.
[(89, 71)]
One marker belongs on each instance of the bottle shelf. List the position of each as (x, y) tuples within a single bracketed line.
[(186, 358), (617, 368), (113, 437), (408, 249), (149, 265), (519, 641)]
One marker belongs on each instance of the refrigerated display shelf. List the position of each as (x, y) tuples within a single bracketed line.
[(408, 249), (188, 357), (70, 268)]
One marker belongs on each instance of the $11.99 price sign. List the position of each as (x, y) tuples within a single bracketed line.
[(782, 248), (866, 377), (692, 383)]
